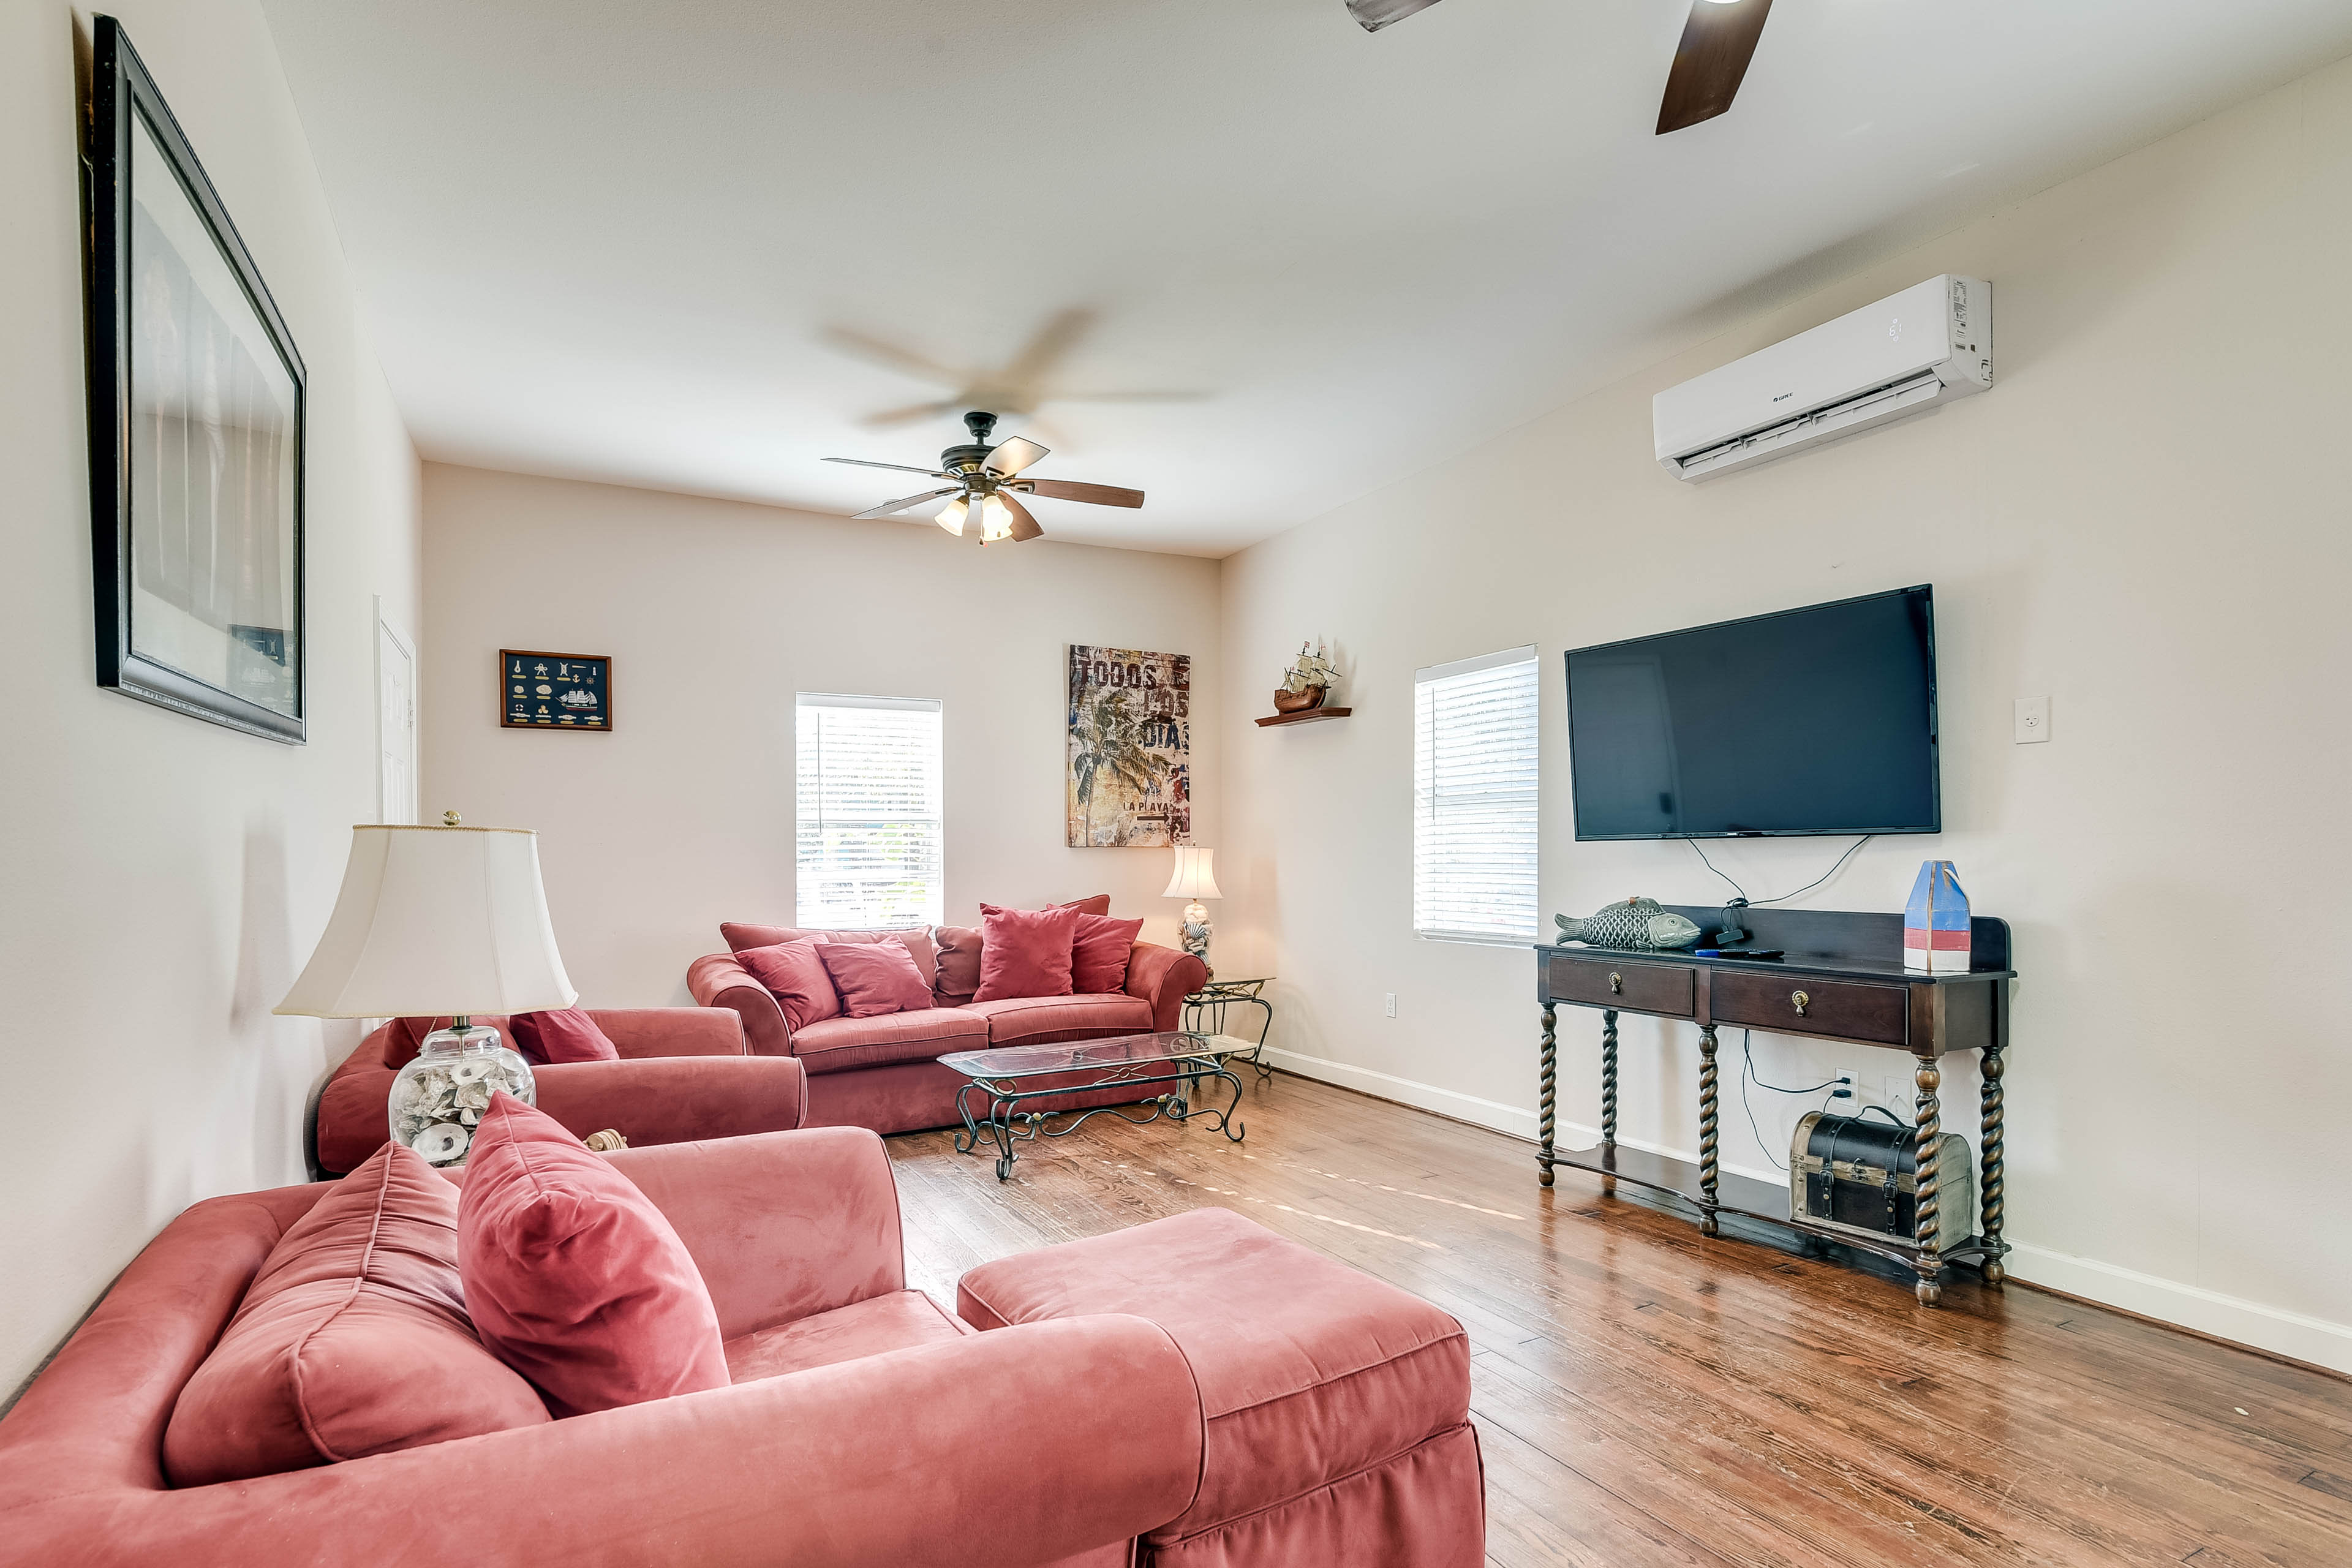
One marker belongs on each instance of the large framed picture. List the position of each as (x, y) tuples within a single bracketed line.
[(1128, 748), (196, 429)]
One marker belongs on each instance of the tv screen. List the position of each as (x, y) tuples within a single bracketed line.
[(1812, 720)]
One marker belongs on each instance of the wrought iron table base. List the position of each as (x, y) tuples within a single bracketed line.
[(1006, 1122), (1219, 995)]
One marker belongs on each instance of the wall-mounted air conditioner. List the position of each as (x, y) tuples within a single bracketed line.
[(1924, 346)]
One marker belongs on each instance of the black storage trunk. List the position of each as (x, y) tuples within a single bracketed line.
[(1862, 1175)]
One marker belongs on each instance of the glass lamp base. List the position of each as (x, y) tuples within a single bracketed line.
[(438, 1099)]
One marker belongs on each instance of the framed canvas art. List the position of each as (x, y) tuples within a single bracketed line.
[(1128, 784), (196, 429), (554, 690)]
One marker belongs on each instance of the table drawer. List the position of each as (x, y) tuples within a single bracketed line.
[(1613, 983), (1841, 1008)]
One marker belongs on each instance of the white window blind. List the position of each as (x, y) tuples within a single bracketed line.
[(1474, 798), (868, 849)]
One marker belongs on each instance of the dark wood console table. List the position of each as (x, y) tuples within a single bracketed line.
[(1842, 980)]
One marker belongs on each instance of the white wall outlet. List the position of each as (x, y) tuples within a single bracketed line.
[(2032, 720), (1390, 1006)]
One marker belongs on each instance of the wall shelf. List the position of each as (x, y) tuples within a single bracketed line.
[(1305, 716)]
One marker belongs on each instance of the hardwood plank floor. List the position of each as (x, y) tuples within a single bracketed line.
[(1649, 1398)]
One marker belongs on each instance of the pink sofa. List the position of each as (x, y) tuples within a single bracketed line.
[(683, 1075), (883, 1072), (865, 1426), (1278, 1410)]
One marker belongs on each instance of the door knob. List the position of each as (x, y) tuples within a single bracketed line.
[(1801, 1000)]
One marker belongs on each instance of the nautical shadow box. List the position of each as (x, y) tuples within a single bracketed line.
[(554, 690)]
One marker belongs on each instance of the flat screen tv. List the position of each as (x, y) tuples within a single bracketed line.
[(1815, 720)]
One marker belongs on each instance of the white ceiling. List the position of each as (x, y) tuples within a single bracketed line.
[(642, 242)]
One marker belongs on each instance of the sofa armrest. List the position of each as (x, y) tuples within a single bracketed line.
[(674, 1100), (353, 1116), (717, 981), (782, 1225), (1164, 977), (642, 1032), (998, 1450)]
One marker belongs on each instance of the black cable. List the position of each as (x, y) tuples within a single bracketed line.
[(1784, 898), (1748, 1076)]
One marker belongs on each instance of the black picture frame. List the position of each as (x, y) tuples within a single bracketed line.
[(555, 691), (233, 448)]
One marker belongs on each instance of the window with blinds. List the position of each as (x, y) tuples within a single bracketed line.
[(1474, 798), (868, 849)]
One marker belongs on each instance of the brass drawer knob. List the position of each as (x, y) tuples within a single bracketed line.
[(1801, 999), (1616, 984)]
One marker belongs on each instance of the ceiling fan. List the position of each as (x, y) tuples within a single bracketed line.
[(989, 482), (1718, 42)]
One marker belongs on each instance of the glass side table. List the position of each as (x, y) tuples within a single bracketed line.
[(1204, 1013)]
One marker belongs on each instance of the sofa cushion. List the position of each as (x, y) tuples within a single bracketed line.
[(797, 978), (1041, 1020), (1025, 952), (573, 1278), (873, 978), (1100, 952), (837, 1045), (959, 967), (563, 1034), (352, 1340), (916, 940), (887, 1323), (1309, 1370)]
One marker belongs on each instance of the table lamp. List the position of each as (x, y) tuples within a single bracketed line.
[(1195, 880), (433, 920)]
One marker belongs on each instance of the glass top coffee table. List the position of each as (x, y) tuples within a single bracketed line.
[(1007, 1079)]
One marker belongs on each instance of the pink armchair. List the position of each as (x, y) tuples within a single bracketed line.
[(866, 1426), (683, 1075)]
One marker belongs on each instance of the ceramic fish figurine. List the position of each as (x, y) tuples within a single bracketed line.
[(1637, 923)]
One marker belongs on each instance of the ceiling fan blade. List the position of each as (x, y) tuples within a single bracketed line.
[(888, 507), (1024, 525), (1013, 456), (1710, 61), (1093, 495), (935, 473), (1374, 14)]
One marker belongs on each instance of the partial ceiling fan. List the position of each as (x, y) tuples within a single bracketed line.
[(1710, 63), (990, 480)]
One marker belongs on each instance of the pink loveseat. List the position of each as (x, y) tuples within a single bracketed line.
[(683, 1075), (883, 1072), (865, 1426)]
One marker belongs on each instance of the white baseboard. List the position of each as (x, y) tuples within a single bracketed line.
[(2272, 1329)]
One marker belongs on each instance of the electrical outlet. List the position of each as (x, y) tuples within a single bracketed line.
[(2032, 720), (1391, 1007)]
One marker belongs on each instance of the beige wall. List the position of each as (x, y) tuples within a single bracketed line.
[(2144, 519), (162, 878), (715, 613)]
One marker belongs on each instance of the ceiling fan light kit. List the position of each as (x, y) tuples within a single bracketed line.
[(988, 481), (1710, 62)]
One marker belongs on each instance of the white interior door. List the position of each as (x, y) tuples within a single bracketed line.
[(395, 723)]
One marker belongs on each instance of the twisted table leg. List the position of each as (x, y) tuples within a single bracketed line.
[(1990, 1200), (1929, 1213), (1544, 1100), (1609, 1078), (1707, 1223)]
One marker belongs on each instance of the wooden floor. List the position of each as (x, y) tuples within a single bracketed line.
[(1645, 1396)]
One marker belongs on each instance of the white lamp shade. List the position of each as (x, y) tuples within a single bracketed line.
[(433, 920), (1194, 877)]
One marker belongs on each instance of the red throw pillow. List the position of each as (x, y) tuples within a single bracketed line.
[(875, 977), (959, 965), (1098, 956), (560, 1034), (1025, 953), (573, 1278), (916, 940), (352, 1339), (1098, 905), (793, 971)]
